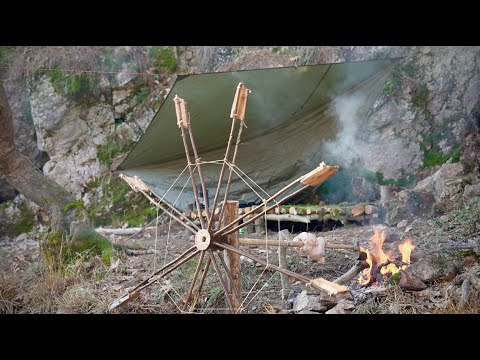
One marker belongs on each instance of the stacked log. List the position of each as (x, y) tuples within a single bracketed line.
[(307, 213)]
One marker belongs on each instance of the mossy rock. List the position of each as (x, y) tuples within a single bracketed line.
[(58, 249), (21, 223)]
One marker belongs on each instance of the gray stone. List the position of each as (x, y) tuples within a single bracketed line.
[(431, 268), (21, 237), (442, 183), (343, 307), (444, 218), (471, 190), (402, 224), (186, 55), (472, 94), (122, 109), (307, 302), (409, 282), (309, 312), (145, 119), (301, 302), (125, 75), (120, 95)]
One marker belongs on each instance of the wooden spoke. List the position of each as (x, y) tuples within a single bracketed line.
[(200, 173), (229, 181), (222, 171), (217, 270), (199, 289), (194, 280)]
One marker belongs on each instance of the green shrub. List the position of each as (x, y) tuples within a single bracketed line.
[(80, 87), (140, 96), (163, 59), (119, 204), (111, 147), (420, 96)]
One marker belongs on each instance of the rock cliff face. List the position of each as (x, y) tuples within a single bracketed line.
[(419, 119)]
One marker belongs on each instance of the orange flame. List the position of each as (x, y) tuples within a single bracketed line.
[(366, 275), (406, 249), (377, 256)]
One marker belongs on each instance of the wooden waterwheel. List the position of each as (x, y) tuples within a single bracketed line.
[(216, 241)]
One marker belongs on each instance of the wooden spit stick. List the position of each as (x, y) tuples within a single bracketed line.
[(260, 242)]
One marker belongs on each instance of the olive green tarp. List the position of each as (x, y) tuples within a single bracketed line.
[(288, 117)]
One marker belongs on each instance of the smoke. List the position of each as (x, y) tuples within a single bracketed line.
[(346, 148)]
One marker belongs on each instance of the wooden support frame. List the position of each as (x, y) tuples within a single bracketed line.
[(232, 260)]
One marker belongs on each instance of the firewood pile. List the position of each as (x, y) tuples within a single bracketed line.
[(361, 213)]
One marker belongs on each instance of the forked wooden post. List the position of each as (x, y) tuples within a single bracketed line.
[(232, 259), (282, 262)]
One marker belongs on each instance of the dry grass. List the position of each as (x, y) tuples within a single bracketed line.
[(70, 289), (396, 301), (392, 301), (268, 308), (8, 294), (454, 308)]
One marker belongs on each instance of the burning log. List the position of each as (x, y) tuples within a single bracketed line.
[(392, 261), (350, 274), (381, 264)]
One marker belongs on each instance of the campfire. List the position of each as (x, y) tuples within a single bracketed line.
[(380, 263)]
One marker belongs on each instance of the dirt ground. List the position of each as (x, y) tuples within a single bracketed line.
[(89, 286)]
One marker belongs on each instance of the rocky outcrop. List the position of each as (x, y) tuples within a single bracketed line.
[(25, 136), (424, 109), (72, 131), (447, 183), (421, 115), (444, 183)]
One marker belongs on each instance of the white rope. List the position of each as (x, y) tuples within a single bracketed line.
[(156, 238), (248, 294), (157, 208), (169, 230), (171, 186), (249, 178), (263, 286), (173, 301), (178, 197)]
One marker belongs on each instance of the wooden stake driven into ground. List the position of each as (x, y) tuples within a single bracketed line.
[(282, 262), (232, 260)]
